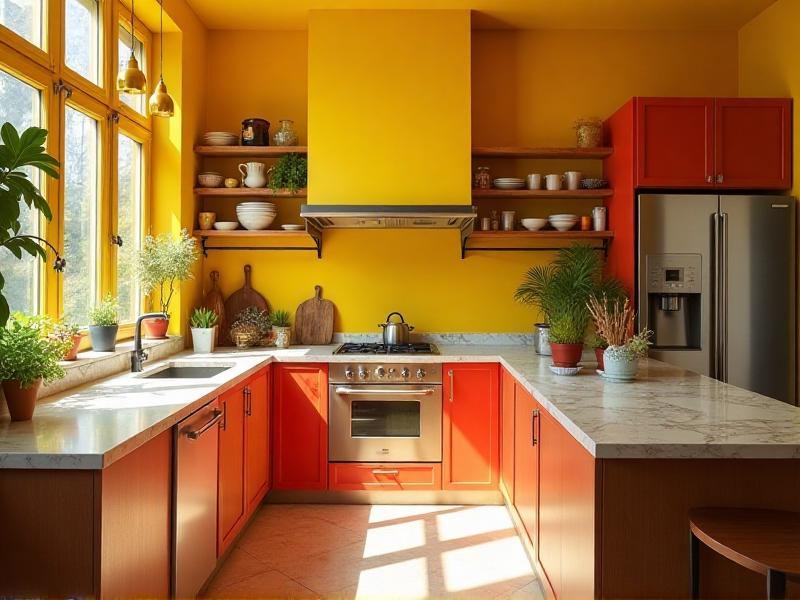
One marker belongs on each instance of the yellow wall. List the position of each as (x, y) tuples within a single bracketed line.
[(527, 87), (769, 61)]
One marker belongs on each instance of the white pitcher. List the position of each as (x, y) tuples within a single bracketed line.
[(253, 175)]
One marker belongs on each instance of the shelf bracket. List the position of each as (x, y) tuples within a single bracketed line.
[(316, 235), (466, 230), (205, 248)]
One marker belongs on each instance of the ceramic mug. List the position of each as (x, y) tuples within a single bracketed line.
[(573, 179), (599, 218), (253, 174), (553, 182), (206, 220), (534, 181)]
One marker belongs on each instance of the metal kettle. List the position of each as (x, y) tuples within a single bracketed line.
[(394, 332)]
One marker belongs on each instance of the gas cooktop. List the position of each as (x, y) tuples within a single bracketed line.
[(376, 348)]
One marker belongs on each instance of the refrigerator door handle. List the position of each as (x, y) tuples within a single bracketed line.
[(716, 242), (722, 308)]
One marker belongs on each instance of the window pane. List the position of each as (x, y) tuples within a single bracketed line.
[(82, 43), (80, 214), (20, 105), (23, 17), (129, 219), (135, 101)]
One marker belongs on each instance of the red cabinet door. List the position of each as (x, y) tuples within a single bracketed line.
[(674, 142), (507, 417), (256, 458), (470, 438), (753, 143), (551, 513), (231, 467), (300, 426), (526, 460)]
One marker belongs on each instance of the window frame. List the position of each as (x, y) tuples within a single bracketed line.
[(99, 90), (143, 35), (26, 48)]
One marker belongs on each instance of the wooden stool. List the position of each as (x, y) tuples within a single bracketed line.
[(765, 541)]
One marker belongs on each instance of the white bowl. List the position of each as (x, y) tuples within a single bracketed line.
[(256, 222), (533, 224), (226, 225), (509, 186), (292, 227), (562, 223), (564, 216), (210, 180)]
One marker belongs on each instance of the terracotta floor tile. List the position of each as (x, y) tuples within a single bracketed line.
[(270, 584), (238, 565)]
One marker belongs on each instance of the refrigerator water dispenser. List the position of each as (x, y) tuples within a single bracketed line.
[(674, 300)]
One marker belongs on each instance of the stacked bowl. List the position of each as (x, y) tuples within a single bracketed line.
[(255, 215), (220, 138), (509, 183), (563, 222)]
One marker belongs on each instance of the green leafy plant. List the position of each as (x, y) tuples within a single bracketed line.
[(106, 313), (65, 331), (281, 318), (203, 318), (563, 288), (252, 321), (28, 351), (18, 155), (163, 262), (290, 172)]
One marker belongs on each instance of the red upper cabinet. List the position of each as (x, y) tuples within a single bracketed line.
[(470, 439), (674, 142), (507, 389), (300, 426), (231, 467), (753, 143), (256, 418), (526, 465)]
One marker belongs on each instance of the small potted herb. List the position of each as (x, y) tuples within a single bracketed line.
[(29, 355), (203, 324), (614, 322), (282, 328), (289, 173), (104, 324), (68, 332), (250, 327)]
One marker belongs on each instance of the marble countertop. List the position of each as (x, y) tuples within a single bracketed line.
[(667, 412)]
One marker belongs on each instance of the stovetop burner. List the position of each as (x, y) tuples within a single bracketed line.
[(376, 348)]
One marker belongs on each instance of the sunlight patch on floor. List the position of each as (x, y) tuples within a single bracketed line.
[(390, 512), (409, 579), (394, 538), (468, 568), (471, 521)]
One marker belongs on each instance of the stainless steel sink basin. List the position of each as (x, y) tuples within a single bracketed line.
[(187, 372)]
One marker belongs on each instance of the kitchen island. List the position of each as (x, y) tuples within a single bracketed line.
[(618, 466)]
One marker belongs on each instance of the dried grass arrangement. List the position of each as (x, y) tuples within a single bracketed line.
[(613, 321)]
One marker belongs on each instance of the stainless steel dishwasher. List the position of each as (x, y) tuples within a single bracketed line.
[(195, 500)]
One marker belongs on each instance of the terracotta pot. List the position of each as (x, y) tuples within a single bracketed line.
[(21, 401), (72, 353), (566, 355), (598, 353), (155, 329)]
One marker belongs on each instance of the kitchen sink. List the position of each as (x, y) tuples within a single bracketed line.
[(187, 372)]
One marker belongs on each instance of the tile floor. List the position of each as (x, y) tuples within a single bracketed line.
[(382, 551)]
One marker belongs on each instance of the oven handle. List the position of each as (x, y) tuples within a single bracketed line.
[(347, 391)]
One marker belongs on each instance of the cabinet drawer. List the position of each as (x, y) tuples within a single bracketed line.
[(388, 476)]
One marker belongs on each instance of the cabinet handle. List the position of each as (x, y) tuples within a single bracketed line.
[(248, 402), (534, 414), (224, 422), (709, 179), (195, 434), (385, 472), (720, 178), (450, 375)]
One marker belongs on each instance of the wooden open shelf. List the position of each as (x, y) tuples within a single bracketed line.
[(548, 234), (248, 192), (247, 233), (268, 239), (512, 194), (249, 151), (532, 241), (526, 152)]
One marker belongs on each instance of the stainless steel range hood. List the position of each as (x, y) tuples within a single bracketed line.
[(355, 216)]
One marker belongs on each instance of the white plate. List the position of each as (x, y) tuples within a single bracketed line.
[(509, 186), (565, 370), (292, 227), (563, 216), (615, 379)]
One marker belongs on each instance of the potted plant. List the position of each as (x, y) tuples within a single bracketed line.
[(282, 328), (614, 322), (104, 324), (162, 263), (203, 324), (289, 173), (68, 332), (29, 355), (250, 327)]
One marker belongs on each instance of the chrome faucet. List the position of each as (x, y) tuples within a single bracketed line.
[(139, 355)]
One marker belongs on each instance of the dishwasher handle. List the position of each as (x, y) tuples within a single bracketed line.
[(196, 433)]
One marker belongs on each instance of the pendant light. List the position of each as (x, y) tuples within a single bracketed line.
[(132, 80), (161, 103)]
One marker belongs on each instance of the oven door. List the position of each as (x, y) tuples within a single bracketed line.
[(385, 423)]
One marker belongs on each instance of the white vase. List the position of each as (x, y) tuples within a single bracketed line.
[(282, 336), (203, 339), (619, 364)]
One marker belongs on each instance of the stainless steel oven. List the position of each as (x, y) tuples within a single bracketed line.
[(385, 413)]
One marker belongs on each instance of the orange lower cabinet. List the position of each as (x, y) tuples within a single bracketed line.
[(508, 387), (256, 430), (390, 476), (230, 512)]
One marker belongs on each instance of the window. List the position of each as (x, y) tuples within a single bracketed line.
[(129, 222), (126, 42), (82, 38), (20, 105), (81, 185), (23, 17)]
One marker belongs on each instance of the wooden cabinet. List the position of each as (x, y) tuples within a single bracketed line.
[(300, 426), (507, 417), (385, 477), (526, 460), (551, 517), (470, 421), (231, 467), (257, 439)]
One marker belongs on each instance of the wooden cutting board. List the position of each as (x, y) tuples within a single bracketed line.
[(243, 298), (215, 302), (313, 322)]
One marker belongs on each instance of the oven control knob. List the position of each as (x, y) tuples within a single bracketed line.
[(348, 373), (362, 373), (421, 373), (380, 372), (405, 373)]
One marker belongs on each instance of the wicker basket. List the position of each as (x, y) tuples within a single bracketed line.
[(245, 339)]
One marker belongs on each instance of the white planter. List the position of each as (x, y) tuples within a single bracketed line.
[(203, 339), (618, 364)]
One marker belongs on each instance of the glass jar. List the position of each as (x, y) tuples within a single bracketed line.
[(482, 179), (255, 132), (285, 136), (495, 221)]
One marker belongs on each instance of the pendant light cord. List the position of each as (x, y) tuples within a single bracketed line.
[(133, 29), (161, 59)]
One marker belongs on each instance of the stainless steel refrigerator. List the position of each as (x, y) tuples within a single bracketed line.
[(716, 283)]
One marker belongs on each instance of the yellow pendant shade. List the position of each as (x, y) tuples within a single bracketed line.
[(161, 103), (132, 80)]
